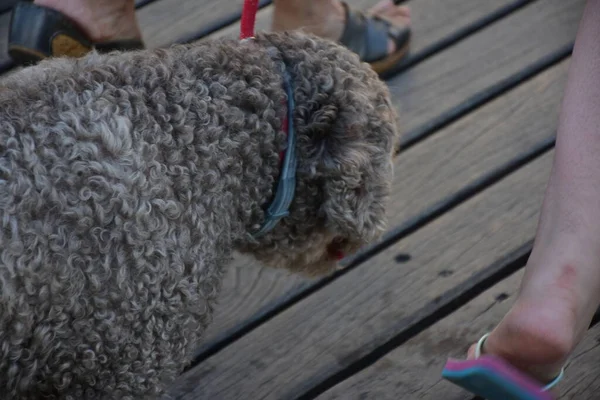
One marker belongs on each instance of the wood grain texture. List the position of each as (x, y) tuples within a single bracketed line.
[(458, 156), (476, 145), (581, 380), (250, 291), (434, 88), (370, 305), (452, 77), (413, 370), (166, 21)]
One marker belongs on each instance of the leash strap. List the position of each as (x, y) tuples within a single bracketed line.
[(248, 19), (286, 187)]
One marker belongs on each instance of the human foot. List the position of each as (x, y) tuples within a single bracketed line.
[(329, 19), (100, 20), (552, 313), (537, 340), (71, 28)]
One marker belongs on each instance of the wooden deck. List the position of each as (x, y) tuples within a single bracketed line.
[(478, 98)]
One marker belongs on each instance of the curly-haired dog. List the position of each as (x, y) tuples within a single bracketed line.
[(127, 181)]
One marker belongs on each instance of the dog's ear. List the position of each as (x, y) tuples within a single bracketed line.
[(356, 187), (349, 138), (354, 208)]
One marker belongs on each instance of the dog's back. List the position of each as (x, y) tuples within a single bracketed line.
[(97, 242)]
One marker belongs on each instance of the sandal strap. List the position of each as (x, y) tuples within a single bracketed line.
[(400, 35), (368, 36), (553, 383)]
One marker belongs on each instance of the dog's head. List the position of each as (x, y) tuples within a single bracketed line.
[(347, 131)]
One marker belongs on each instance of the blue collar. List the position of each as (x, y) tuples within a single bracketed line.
[(286, 187)]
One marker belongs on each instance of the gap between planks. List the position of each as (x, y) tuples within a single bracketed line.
[(431, 26), (442, 201), (370, 308), (413, 370), (514, 118), (450, 302)]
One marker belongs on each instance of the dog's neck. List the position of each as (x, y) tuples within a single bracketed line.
[(237, 106), (245, 92), (238, 111)]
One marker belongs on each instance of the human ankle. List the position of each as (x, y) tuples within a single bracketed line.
[(101, 21), (535, 337), (324, 18)]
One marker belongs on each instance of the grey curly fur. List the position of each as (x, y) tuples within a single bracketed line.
[(127, 180)]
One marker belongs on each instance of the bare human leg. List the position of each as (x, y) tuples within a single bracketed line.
[(561, 288)]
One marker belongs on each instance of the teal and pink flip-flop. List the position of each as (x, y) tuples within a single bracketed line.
[(492, 378)]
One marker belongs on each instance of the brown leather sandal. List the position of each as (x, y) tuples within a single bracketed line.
[(369, 35), (38, 32)]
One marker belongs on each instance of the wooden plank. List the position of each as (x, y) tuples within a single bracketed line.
[(581, 380), (413, 370), (362, 310), (265, 289), (454, 77), (421, 185), (248, 293), (167, 21), (461, 156)]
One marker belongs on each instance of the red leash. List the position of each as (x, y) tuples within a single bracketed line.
[(248, 18)]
